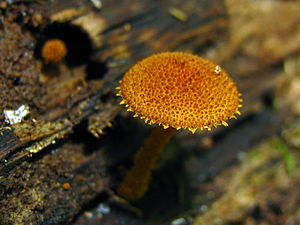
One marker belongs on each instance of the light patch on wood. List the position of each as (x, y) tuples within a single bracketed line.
[(67, 14), (93, 24), (178, 14)]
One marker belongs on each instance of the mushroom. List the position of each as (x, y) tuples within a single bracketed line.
[(53, 51), (175, 90)]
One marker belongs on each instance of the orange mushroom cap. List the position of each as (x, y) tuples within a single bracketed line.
[(53, 51), (180, 90)]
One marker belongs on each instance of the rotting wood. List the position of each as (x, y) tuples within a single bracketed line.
[(130, 31)]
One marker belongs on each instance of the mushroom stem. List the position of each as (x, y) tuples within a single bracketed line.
[(136, 182)]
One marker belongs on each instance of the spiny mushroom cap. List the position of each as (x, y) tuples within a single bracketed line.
[(180, 90), (54, 51)]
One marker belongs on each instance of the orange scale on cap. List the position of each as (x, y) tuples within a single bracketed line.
[(180, 90)]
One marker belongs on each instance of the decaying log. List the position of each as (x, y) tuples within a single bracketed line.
[(52, 166)]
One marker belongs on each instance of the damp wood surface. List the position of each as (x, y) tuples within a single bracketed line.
[(64, 161)]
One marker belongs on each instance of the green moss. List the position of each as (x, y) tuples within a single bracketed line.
[(253, 154), (287, 155)]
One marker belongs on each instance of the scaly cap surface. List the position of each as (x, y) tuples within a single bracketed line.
[(54, 50), (180, 90)]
